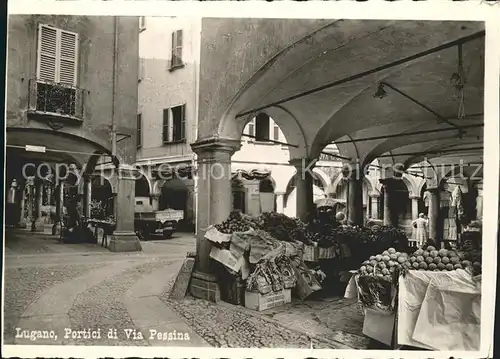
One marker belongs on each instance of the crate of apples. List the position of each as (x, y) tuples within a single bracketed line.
[(383, 265)]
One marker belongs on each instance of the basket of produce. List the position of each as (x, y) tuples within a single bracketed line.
[(377, 278), (221, 233)]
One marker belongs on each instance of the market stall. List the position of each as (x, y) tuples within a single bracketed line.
[(268, 258), (428, 299)]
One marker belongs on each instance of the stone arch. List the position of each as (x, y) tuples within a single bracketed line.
[(410, 184), (323, 178), (282, 178), (142, 187), (146, 176), (266, 184), (336, 182), (286, 121), (367, 180)]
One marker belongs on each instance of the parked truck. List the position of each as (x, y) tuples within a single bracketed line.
[(150, 223)]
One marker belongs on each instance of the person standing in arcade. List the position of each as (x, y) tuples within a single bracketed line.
[(422, 232)]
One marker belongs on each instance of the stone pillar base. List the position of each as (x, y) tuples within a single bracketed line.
[(56, 229), (23, 224), (124, 242), (204, 286)]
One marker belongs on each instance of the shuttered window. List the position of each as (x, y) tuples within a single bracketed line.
[(179, 123), (166, 126), (262, 127), (276, 134), (57, 55), (176, 60), (251, 128)]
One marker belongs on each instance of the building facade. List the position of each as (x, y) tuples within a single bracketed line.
[(167, 125), (69, 95), (262, 177)]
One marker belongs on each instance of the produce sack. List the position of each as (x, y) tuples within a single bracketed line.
[(260, 280), (439, 310), (231, 262), (306, 281), (276, 276), (376, 292), (286, 270), (263, 246), (239, 244)]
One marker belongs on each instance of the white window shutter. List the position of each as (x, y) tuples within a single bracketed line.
[(68, 58), (47, 53)]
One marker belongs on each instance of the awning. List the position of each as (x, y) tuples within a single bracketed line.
[(251, 175)]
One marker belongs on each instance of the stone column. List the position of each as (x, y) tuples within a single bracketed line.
[(433, 214), (303, 187), (39, 199), (59, 197), (87, 196), (49, 195), (355, 198), (374, 198), (280, 202), (414, 213), (214, 205), (252, 202), (389, 217), (479, 202), (124, 238), (414, 207), (155, 201)]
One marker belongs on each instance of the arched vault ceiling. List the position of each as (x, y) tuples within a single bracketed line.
[(61, 147), (370, 151), (418, 152), (272, 68), (426, 81)]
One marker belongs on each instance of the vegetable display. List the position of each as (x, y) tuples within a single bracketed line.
[(431, 259), (234, 223), (383, 265)]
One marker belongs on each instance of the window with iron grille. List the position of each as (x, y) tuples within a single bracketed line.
[(139, 130), (176, 58), (57, 69), (174, 124)]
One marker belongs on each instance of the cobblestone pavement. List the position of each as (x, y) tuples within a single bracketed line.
[(122, 299)]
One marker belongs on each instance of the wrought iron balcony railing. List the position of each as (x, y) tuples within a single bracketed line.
[(55, 99)]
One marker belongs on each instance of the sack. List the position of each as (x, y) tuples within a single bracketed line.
[(214, 235), (306, 281), (287, 272)]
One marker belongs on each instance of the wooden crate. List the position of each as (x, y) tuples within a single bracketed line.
[(232, 290), (259, 302), (326, 253), (311, 254)]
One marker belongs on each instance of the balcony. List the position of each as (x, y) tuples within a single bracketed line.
[(56, 101)]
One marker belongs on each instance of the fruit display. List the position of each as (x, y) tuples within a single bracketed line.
[(281, 227), (234, 223), (383, 265), (431, 259)]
